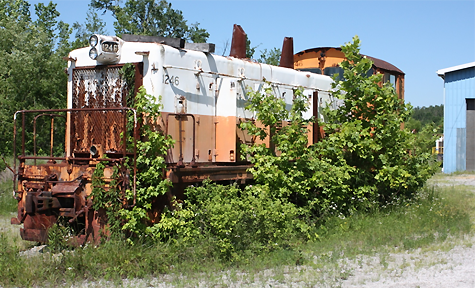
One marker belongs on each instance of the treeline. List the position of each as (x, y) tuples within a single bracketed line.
[(423, 116), (31, 65)]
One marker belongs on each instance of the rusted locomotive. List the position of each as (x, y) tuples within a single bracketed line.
[(203, 97)]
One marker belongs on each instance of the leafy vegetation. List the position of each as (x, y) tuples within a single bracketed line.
[(366, 170), (271, 56), (424, 116), (93, 25), (150, 164), (233, 222), (31, 65), (365, 161), (427, 123), (430, 221), (150, 17), (123, 220), (428, 115), (382, 159)]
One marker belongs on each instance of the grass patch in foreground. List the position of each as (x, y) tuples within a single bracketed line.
[(8, 204), (436, 214)]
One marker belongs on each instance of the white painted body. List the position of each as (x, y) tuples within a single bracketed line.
[(213, 86)]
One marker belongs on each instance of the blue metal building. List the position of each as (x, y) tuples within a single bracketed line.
[(459, 117)]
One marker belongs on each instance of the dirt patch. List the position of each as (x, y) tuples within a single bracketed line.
[(453, 268), (453, 180)]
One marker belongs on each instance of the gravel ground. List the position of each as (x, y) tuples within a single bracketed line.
[(462, 179), (454, 268)]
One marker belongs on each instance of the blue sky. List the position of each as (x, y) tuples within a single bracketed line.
[(418, 37)]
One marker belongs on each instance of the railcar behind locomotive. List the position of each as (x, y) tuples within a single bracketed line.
[(203, 97)]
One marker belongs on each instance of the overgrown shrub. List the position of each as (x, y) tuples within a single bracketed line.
[(365, 160), (234, 220), (366, 132), (151, 149)]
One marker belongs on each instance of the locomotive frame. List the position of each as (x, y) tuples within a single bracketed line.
[(203, 98)]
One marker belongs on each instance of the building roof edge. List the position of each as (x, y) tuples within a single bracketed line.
[(442, 72)]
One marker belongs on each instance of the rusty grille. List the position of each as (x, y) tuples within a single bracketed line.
[(98, 88)]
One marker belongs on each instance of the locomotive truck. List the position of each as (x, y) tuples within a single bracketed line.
[(203, 97)]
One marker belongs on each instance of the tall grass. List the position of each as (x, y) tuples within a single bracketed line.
[(8, 204), (436, 214)]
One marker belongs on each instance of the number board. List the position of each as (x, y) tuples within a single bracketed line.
[(110, 47)]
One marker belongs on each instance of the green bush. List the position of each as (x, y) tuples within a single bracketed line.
[(234, 220), (365, 160), (366, 132)]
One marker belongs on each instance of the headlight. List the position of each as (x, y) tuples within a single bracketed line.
[(93, 151), (93, 53), (93, 41), (104, 49)]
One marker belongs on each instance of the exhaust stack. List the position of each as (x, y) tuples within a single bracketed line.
[(287, 56), (238, 43)]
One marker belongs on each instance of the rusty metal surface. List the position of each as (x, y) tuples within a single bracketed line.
[(378, 63), (180, 118), (47, 191), (213, 172), (36, 227), (98, 88), (238, 43), (287, 55), (44, 195), (52, 116), (84, 158), (100, 117)]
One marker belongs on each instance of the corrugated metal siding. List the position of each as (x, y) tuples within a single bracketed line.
[(459, 85)]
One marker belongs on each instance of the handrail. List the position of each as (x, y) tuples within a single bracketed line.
[(52, 127), (23, 156)]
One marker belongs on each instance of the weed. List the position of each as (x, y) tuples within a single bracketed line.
[(8, 204), (58, 236)]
